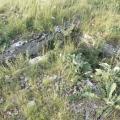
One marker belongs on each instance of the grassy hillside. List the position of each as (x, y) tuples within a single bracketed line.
[(19, 17), (72, 83)]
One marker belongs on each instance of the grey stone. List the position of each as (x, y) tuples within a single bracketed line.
[(31, 48), (1, 100), (58, 29), (18, 44), (31, 103), (37, 59), (109, 50)]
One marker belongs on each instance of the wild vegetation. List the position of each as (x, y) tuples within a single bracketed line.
[(77, 80)]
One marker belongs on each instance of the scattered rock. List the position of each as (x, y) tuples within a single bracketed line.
[(74, 89), (1, 100), (24, 82), (89, 83), (3, 18), (87, 108), (37, 59), (87, 37), (12, 112), (109, 50), (58, 29), (31, 103), (88, 40), (31, 48), (34, 46), (18, 44), (94, 87)]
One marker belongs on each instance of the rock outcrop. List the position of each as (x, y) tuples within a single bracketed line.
[(31, 48), (38, 44)]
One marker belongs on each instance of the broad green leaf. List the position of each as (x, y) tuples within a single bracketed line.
[(108, 102), (112, 89)]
